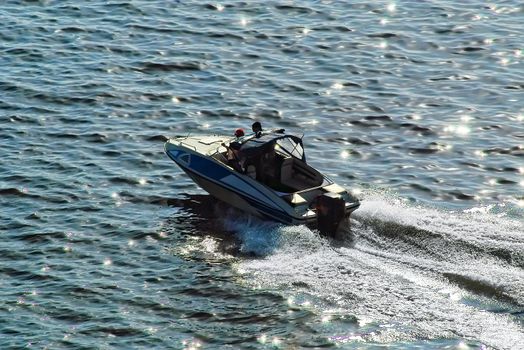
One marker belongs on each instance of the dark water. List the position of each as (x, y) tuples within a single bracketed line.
[(416, 106)]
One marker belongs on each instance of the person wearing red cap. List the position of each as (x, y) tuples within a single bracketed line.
[(239, 132)]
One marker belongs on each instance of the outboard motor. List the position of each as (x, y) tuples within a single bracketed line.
[(330, 213)]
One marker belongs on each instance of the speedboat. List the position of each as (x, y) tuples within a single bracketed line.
[(264, 174)]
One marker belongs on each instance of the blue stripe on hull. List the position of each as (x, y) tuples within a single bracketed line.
[(215, 172), (205, 166), (263, 210), (272, 213)]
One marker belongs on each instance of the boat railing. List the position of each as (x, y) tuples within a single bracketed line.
[(310, 189), (307, 190), (219, 156)]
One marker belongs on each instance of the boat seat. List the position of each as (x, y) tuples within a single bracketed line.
[(298, 175), (287, 175)]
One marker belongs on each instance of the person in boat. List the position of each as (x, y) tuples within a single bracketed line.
[(257, 129), (235, 159), (239, 133)]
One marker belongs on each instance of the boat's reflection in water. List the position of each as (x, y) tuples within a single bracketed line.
[(204, 216)]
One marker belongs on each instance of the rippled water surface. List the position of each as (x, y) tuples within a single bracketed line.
[(416, 106)]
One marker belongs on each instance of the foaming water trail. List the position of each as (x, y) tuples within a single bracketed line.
[(262, 238), (413, 273), (255, 237)]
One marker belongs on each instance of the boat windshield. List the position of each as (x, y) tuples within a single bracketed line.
[(291, 147), (255, 147)]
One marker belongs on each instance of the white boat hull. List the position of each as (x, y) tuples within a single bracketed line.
[(237, 189)]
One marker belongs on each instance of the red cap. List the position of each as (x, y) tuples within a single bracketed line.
[(239, 132)]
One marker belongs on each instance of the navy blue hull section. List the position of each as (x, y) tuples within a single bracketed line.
[(197, 166), (202, 165), (262, 209)]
